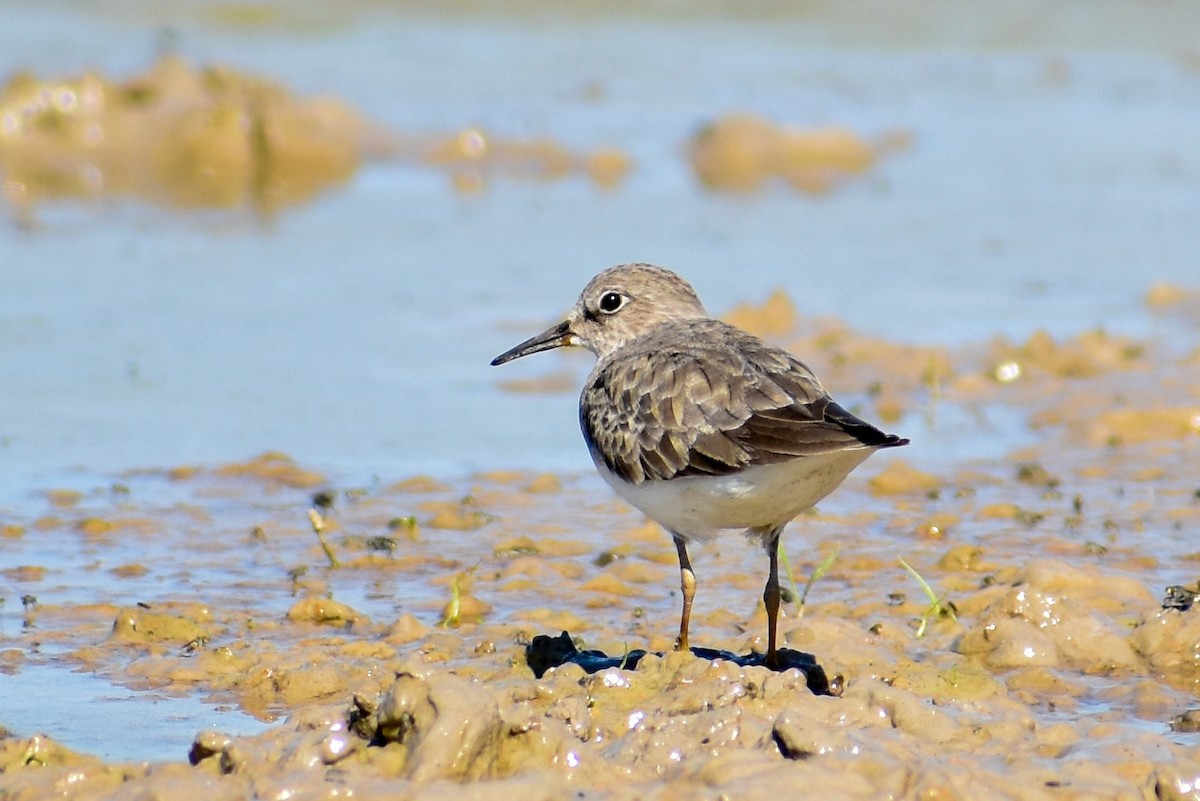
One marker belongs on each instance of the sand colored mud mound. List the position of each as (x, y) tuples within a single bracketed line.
[(215, 137), (744, 152), (187, 137)]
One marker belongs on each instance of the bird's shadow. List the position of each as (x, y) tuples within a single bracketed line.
[(545, 652)]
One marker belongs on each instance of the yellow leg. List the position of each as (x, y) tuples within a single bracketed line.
[(687, 585)]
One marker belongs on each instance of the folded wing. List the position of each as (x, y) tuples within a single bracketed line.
[(710, 407)]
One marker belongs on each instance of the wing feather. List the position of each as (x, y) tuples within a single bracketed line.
[(709, 400)]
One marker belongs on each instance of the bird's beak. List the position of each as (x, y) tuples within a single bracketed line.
[(555, 336)]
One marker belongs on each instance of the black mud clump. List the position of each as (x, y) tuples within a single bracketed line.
[(1181, 598), (545, 652)]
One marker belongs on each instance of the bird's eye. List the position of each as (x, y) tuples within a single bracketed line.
[(611, 301)]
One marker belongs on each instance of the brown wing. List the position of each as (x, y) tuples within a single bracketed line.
[(709, 403)]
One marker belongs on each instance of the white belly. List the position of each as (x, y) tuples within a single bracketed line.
[(697, 507)]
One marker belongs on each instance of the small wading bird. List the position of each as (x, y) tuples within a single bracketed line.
[(701, 425)]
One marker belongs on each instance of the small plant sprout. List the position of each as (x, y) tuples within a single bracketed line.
[(318, 527), (453, 609), (820, 571), (624, 658), (407, 525), (938, 606)]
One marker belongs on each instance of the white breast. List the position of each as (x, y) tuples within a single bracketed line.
[(697, 507)]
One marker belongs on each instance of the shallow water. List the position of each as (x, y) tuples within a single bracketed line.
[(153, 726), (1051, 179)]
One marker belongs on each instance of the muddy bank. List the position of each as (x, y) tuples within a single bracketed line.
[(214, 137), (1022, 649), (211, 136)]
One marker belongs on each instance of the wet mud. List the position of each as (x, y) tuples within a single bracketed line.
[(187, 137), (211, 136), (214, 137), (745, 152), (1017, 626)]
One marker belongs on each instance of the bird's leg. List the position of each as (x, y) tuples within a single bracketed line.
[(687, 585), (771, 595)]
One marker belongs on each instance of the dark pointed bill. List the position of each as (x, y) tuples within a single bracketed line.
[(556, 336)]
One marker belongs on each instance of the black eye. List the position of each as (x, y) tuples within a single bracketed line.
[(611, 301)]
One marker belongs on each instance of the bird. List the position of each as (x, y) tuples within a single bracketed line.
[(700, 425)]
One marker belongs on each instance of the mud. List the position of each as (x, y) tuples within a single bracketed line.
[(1038, 639), (745, 152), (194, 138), (215, 137)]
